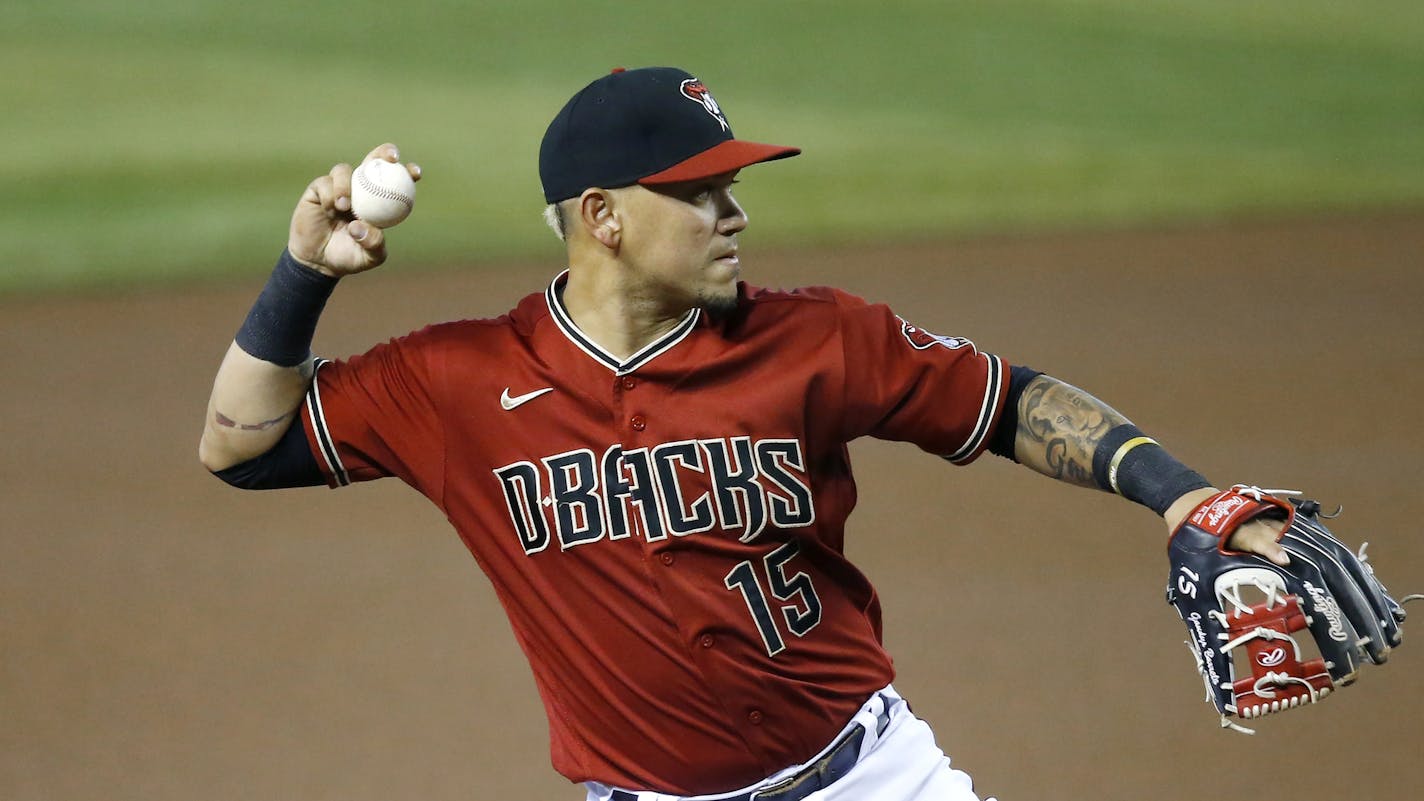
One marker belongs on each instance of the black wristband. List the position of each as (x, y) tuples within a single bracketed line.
[(1134, 466), (280, 326)]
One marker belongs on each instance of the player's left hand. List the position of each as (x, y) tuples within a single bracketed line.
[(1260, 536), (1246, 616)]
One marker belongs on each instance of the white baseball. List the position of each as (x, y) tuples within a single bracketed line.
[(382, 193)]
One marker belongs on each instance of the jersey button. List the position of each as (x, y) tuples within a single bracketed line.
[(629, 382), (755, 717), (707, 641), (638, 422), (667, 558)]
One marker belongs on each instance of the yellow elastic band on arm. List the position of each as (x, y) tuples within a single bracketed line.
[(1121, 453)]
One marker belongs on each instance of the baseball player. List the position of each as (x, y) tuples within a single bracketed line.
[(648, 459)]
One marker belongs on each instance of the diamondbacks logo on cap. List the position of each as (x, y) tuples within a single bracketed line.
[(692, 89)]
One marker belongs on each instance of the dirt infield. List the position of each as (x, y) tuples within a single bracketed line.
[(163, 637)]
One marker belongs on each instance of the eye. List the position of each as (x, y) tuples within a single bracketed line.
[(702, 193), (707, 192)]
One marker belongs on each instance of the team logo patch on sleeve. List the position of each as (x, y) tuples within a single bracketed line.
[(920, 339)]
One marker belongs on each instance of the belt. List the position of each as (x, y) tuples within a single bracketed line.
[(818, 775)]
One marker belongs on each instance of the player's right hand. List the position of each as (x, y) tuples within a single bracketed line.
[(326, 236)]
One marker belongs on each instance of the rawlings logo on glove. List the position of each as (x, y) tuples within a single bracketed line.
[(1326, 605), (1231, 600)]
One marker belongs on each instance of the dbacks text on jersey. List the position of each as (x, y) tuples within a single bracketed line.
[(676, 488)]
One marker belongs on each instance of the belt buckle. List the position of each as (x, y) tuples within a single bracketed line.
[(817, 775), (792, 788)]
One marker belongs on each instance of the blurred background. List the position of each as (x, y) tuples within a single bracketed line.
[(1210, 213), (167, 141)]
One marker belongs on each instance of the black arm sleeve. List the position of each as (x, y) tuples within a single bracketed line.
[(289, 463), (1002, 443)]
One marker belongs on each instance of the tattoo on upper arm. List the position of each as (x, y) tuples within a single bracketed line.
[(1060, 427), (227, 422)]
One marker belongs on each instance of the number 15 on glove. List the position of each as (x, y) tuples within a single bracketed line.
[(1246, 616)]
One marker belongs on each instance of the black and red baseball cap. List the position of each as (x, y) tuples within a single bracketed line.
[(653, 125)]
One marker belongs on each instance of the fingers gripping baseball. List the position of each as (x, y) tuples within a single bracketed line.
[(326, 235)]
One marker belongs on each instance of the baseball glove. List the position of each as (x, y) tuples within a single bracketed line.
[(1245, 613)]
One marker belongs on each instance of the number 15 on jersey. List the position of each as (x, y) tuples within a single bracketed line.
[(795, 596)]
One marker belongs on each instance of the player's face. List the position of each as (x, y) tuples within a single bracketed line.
[(681, 242)]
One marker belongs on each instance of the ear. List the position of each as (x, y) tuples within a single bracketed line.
[(598, 215)]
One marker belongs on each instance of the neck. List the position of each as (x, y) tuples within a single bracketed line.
[(620, 321)]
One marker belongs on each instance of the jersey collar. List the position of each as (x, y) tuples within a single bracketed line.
[(652, 350)]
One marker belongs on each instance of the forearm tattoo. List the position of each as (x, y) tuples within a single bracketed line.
[(1060, 427), (227, 422)]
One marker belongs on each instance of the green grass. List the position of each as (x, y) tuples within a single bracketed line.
[(167, 141)]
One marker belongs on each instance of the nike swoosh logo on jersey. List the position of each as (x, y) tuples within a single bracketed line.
[(510, 404)]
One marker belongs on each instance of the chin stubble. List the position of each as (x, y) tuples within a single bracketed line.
[(720, 305)]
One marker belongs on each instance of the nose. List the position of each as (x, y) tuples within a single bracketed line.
[(733, 219)]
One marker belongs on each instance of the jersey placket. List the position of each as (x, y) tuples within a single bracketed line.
[(632, 395)]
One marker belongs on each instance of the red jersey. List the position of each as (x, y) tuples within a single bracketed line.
[(666, 531)]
